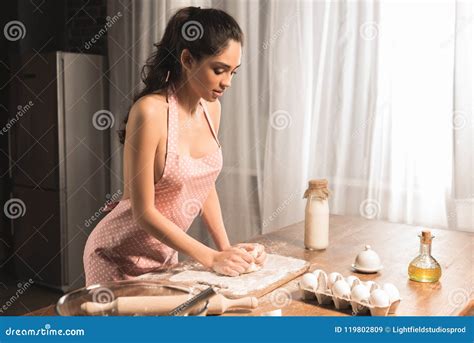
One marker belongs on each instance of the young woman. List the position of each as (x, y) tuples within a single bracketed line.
[(172, 157)]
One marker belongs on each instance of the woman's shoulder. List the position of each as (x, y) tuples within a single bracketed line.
[(147, 121), (149, 107), (151, 103)]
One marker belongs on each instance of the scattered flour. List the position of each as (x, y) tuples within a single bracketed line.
[(276, 267)]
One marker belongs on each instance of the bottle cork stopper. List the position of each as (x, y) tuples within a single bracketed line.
[(318, 183), (426, 236), (317, 188)]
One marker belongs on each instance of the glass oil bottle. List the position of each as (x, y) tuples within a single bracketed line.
[(424, 268)]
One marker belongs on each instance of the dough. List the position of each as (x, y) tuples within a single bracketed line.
[(258, 249)]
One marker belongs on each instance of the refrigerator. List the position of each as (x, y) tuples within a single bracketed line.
[(59, 163)]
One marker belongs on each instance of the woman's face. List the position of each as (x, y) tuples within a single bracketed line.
[(211, 76)]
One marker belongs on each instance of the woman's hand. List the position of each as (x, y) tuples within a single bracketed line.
[(232, 262), (250, 248)]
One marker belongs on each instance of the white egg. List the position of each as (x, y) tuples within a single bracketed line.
[(392, 292), (360, 293), (309, 281), (341, 289), (317, 272), (379, 298), (371, 285), (332, 278), (322, 280), (350, 280)]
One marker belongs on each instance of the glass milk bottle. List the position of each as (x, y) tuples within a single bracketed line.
[(316, 224)]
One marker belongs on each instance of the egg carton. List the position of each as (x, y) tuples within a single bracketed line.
[(351, 292)]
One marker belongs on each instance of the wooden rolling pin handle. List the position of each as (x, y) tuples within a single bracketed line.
[(98, 308), (219, 304)]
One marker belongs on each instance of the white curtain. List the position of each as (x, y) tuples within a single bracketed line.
[(375, 96), (461, 211), (368, 104), (320, 121)]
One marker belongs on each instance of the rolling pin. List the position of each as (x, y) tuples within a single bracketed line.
[(160, 305)]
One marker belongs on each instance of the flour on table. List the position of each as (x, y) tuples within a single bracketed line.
[(276, 267)]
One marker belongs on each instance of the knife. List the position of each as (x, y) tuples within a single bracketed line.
[(188, 305)]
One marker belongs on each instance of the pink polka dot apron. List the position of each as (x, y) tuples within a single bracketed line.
[(118, 248)]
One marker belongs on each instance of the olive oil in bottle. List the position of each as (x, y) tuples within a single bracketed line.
[(424, 268)]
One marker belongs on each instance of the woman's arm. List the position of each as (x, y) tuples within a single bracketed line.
[(147, 118), (212, 216)]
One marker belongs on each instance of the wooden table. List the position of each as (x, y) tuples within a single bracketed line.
[(396, 244)]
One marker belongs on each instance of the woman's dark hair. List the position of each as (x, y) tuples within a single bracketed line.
[(204, 32)]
